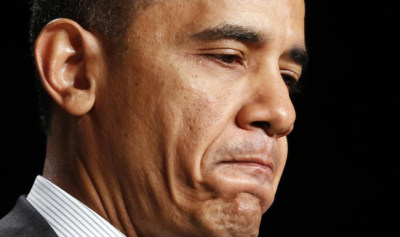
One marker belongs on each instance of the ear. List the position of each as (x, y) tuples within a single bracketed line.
[(69, 60)]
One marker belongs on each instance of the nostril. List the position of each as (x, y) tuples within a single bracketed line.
[(261, 124)]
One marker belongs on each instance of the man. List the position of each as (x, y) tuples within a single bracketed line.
[(167, 118)]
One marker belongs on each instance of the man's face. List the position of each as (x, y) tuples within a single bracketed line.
[(194, 116)]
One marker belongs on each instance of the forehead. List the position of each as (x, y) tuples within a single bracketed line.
[(275, 18)]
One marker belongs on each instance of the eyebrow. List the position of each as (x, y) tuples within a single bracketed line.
[(232, 32), (297, 54)]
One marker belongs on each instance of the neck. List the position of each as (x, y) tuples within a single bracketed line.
[(74, 163)]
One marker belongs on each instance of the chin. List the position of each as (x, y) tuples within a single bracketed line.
[(236, 216)]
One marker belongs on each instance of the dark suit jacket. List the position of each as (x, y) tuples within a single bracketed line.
[(25, 221)]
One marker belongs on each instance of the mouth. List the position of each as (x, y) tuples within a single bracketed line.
[(252, 175), (262, 169), (256, 163)]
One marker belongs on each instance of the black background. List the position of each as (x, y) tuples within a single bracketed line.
[(342, 171)]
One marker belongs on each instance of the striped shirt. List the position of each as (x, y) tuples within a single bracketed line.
[(65, 214)]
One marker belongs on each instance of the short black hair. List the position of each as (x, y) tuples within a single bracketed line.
[(109, 19)]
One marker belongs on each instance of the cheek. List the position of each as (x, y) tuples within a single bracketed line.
[(193, 113), (201, 120), (195, 108), (200, 115)]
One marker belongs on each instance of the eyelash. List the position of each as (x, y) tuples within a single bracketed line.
[(226, 58), (292, 83)]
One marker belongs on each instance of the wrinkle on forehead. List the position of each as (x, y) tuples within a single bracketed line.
[(198, 14)]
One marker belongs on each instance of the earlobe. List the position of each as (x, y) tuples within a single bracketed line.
[(65, 54)]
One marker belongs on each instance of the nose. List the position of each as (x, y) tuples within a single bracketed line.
[(269, 108)]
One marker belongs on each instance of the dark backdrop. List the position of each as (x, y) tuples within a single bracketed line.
[(342, 172)]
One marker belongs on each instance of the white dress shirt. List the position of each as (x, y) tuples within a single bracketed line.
[(65, 214)]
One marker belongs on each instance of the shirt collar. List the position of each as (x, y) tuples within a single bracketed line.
[(67, 215)]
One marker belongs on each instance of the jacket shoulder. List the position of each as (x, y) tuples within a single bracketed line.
[(23, 221)]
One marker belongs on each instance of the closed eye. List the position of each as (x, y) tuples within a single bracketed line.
[(291, 83), (226, 58)]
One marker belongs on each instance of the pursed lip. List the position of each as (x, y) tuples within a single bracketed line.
[(259, 162), (251, 161)]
